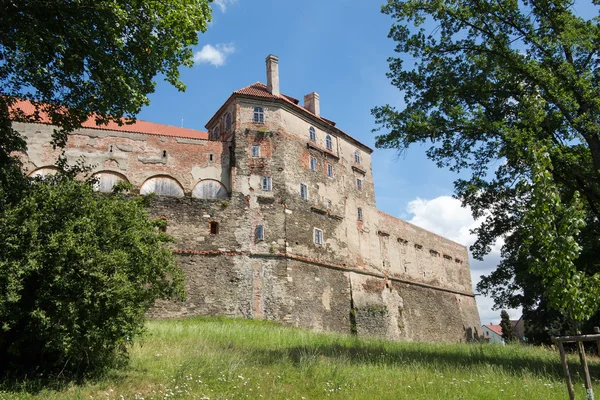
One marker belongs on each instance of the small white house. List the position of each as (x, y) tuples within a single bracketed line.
[(493, 333)]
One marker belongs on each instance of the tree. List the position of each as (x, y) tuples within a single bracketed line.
[(78, 270), (508, 331), (491, 83)]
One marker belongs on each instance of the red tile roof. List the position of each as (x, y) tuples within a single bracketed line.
[(495, 328), (259, 89), (143, 127)]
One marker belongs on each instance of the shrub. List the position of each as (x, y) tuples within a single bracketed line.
[(78, 271)]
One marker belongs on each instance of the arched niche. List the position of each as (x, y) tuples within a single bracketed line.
[(44, 171), (210, 189), (162, 186), (106, 180)]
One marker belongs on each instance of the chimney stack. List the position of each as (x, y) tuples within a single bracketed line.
[(273, 74), (311, 103)]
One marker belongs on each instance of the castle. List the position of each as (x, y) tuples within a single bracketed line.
[(273, 211)]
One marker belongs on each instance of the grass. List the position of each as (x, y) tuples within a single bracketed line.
[(217, 358)]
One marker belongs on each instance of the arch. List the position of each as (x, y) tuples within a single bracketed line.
[(162, 185), (312, 134), (106, 180), (210, 189), (44, 171)]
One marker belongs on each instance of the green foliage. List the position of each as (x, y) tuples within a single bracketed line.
[(508, 332), (78, 271), (490, 82), (96, 58)]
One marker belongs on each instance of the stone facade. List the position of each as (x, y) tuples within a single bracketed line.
[(276, 219)]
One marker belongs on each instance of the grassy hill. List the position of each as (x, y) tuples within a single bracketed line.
[(217, 358)]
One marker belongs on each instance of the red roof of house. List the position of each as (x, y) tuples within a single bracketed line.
[(143, 127), (259, 89), (495, 328)]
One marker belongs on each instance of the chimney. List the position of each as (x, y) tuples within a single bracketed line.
[(311, 103), (273, 74)]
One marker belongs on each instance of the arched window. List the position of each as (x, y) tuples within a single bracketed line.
[(210, 189), (44, 171), (259, 115), (312, 134), (216, 133), (357, 157), (228, 122), (106, 180), (162, 186), (328, 143)]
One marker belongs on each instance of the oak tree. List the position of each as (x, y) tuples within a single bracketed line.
[(487, 83), (78, 270)]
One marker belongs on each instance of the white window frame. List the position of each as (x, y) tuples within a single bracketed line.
[(267, 184), (312, 134), (359, 214), (330, 171), (259, 115), (359, 184), (318, 236), (303, 191), (260, 232), (256, 150), (357, 157), (328, 142), (313, 163)]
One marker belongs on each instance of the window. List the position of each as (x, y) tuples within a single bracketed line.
[(260, 232), (312, 134), (214, 228), (303, 192), (313, 163), (256, 150), (359, 184), (329, 171), (318, 236), (228, 122), (216, 133), (328, 143), (266, 183), (259, 115), (211, 157), (359, 214), (357, 157), (110, 148), (329, 206), (164, 153)]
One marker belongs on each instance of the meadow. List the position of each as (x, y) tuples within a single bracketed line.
[(219, 358)]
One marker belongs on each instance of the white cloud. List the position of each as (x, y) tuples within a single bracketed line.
[(445, 216), (215, 55), (223, 4)]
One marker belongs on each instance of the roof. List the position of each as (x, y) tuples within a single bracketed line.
[(497, 329), (259, 89), (139, 126)]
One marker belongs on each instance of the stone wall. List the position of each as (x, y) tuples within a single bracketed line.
[(379, 276)]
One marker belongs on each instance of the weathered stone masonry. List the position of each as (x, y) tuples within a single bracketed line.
[(320, 262)]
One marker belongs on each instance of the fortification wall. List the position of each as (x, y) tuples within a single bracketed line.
[(135, 156), (377, 277)]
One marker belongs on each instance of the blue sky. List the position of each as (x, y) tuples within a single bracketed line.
[(338, 48)]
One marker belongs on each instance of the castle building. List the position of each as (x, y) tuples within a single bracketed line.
[(274, 215)]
